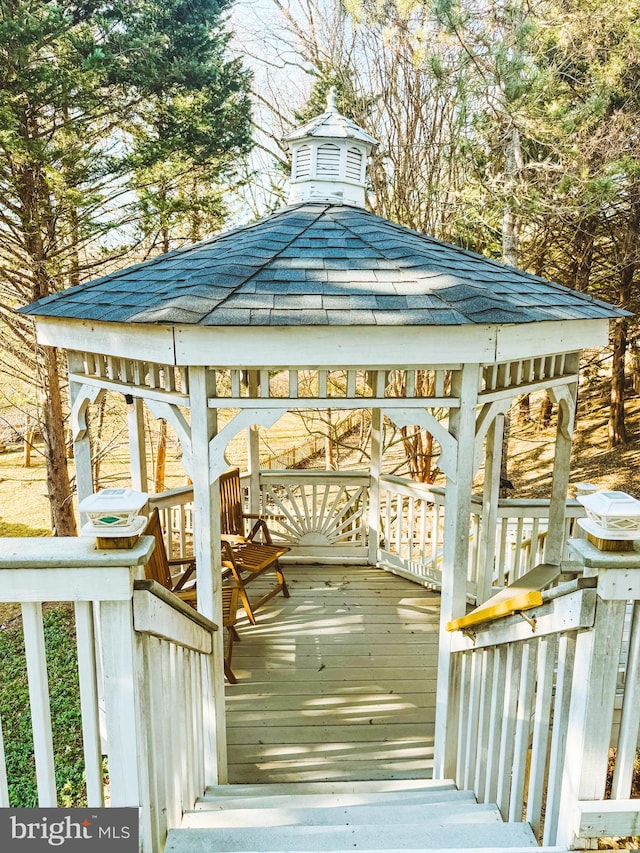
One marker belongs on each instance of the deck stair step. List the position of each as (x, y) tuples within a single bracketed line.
[(400, 815)]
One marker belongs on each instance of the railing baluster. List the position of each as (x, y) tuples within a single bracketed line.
[(509, 711), (562, 698), (630, 719), (484, 722), (522, 729), (494, 734), (541, 730), (39, 700), (464, 688), (88, 680), (472, 719)]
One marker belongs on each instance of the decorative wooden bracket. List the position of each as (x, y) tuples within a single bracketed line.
[(84, 396), (423, 418), (565, 397), (174, 416), (244, 419), (487, 416)]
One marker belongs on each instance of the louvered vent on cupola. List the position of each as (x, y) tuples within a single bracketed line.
[(328, 163), (329, 156), (302, 162), (354, 164)]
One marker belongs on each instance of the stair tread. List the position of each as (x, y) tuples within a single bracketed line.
[(340, 815), (375, 786), (333, 800), (380, 837)]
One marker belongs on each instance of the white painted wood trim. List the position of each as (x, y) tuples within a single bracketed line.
[(609, 818), (558, 751), (180, 425), (257, 404), (548, 338), (507, 735), (207, 551), (137, 445), (423, 418), (152, 813), (514, 391), (39, 703), (522, 728), (173, 398), (119, 673), (336, 347), (58, 584), (554, 545), (144, 341), (491, 496), (498, 688), (243, 420), (590, 714), (630, 719), (88, 680), (455, 546), (339, 346), (541, 730), (153, 616), (69, 552)]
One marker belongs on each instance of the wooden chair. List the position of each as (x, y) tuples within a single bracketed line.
[(246, 557), (165, 571), (160, 569), (229, 611)]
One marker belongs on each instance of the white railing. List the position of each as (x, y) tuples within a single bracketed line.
[(176, 517), (174, 667), (320, 515), (412, 523), (539, 700), (145, 676)]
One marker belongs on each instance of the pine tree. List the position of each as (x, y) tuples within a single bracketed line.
[(92, 94)]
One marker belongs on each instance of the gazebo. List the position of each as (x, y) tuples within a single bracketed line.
[(319, 288)]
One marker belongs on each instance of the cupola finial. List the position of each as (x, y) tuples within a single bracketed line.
[(332, 100)]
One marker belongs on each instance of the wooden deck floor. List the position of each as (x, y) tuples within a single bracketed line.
[(337, 682)]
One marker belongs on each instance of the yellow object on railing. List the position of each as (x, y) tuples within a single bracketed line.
[(522, 594)]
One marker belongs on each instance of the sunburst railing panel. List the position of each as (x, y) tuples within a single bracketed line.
[(317, 513)]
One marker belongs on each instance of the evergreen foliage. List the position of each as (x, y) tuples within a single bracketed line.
[(105, 109)]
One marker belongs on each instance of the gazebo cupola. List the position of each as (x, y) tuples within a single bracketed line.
[(329, 156)]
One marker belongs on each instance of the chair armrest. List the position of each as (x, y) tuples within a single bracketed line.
[(260, 527), (186, 575), (229, 565), (275, 516)]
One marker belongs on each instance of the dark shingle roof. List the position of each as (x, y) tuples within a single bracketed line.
[(321, 264)]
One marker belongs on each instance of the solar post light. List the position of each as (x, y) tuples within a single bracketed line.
[(114, 517), (613, 520)]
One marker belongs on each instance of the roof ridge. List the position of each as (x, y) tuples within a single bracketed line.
[(268, 261)]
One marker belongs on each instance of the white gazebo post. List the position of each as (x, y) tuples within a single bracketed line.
[(253, 452), (80, 397), (566, 398), (455, 558), (206, 548), (137, 445), (375, 470)]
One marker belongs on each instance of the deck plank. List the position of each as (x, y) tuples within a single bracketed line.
[(337, 682)]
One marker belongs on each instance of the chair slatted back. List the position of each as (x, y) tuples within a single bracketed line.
[(157, 569), (231, 520)]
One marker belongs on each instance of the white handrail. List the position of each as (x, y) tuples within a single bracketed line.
[(145, 664)]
